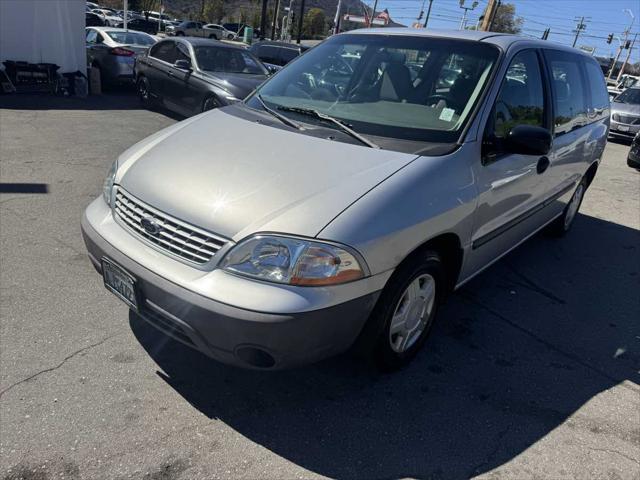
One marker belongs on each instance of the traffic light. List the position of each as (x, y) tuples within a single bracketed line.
[(627, 45), (610, 38), (421, 14)]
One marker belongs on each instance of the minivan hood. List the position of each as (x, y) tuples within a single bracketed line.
[(238, 84), (235, 177)]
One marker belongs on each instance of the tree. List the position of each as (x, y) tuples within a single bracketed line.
[(214, 11), (505, 20), (315, 23)]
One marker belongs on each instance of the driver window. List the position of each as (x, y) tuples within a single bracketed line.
[(521, 97)]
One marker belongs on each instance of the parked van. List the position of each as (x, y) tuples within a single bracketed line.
[(343, 201)]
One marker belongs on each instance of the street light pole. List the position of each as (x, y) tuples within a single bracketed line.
[(426, 20)]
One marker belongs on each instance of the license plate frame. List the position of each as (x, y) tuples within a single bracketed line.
[(623, 128), (128, 283)]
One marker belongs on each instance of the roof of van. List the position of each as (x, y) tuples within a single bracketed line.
[(501, 39)]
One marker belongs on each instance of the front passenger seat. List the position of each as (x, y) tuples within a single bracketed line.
[(395, 85)]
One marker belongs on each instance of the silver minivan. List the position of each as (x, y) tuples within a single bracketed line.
[(350, 194)]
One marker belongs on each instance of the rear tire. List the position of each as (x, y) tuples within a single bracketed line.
[(143, 89), (561, 225), (406, 310)]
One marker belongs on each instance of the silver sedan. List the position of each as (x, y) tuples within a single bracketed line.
[(113, 52)]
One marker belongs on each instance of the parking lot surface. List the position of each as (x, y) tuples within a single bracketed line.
[(533, 370)]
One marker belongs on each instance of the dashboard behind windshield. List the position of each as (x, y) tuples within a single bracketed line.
[(406, 87)]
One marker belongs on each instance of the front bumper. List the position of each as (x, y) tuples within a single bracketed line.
[(623, 129), (233, 335)]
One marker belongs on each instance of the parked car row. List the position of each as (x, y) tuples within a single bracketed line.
[(344, 199)]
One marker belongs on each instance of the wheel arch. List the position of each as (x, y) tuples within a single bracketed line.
[(449, 247), (590, 174)]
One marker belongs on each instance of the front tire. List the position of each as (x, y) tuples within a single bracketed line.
[(406, 310), (210, 103), (561, 225)]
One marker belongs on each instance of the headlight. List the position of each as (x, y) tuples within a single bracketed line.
[(293, 261), (107, 187)]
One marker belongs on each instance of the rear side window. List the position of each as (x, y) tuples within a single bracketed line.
[(288, 54), (164, 51), (570, 90), (92, 35), (521, 97), (269, 54), (597, 86)]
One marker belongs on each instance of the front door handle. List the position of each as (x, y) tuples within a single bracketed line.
[(543, 164)]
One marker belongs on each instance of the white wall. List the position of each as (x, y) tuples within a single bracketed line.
[(50, 31)]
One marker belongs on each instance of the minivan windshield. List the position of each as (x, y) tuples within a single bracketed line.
[(631, 95), (406, 87)]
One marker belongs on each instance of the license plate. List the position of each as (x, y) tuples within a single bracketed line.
[(121, 283), (623, 128)]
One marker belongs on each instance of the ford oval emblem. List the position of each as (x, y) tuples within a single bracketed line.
[(150, 225)]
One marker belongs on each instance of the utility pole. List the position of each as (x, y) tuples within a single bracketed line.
[(545, 35), (622, 44), (496, 7), (615, 61), (626, 60), (300, 22), (275, 20), (263, 19), (125, 7), (373, 13), (336, 20), (426, 20), (581, 26), (463, 22)]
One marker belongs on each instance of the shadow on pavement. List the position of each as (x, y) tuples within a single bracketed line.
[(124, 98), (515, 353)]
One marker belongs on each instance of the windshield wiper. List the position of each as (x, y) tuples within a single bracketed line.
[(343, 126), (280, 117)]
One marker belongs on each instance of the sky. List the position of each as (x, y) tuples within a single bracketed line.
[(601, 17)]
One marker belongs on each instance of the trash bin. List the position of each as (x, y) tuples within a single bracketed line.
[(247, 37)]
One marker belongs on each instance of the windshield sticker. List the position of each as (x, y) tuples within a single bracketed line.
[(447, 114)]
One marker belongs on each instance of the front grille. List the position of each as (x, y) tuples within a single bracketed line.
[(628, 119), (167, 325), (174, 236)]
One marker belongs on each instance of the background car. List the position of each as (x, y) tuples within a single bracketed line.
[(192, 75), (219, 31), (625, 114), (276, 55), (113, 51), (109, 18), (141, 25), (633, 159), (94, 20), (626, 81), (188, 29)]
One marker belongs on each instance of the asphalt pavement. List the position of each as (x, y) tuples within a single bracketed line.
[(532, 371)]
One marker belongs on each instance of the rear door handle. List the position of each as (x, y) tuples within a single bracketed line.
[(170, 73), (543, 164)]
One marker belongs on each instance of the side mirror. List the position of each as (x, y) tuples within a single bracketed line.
[(528, 140), (183, 64)]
